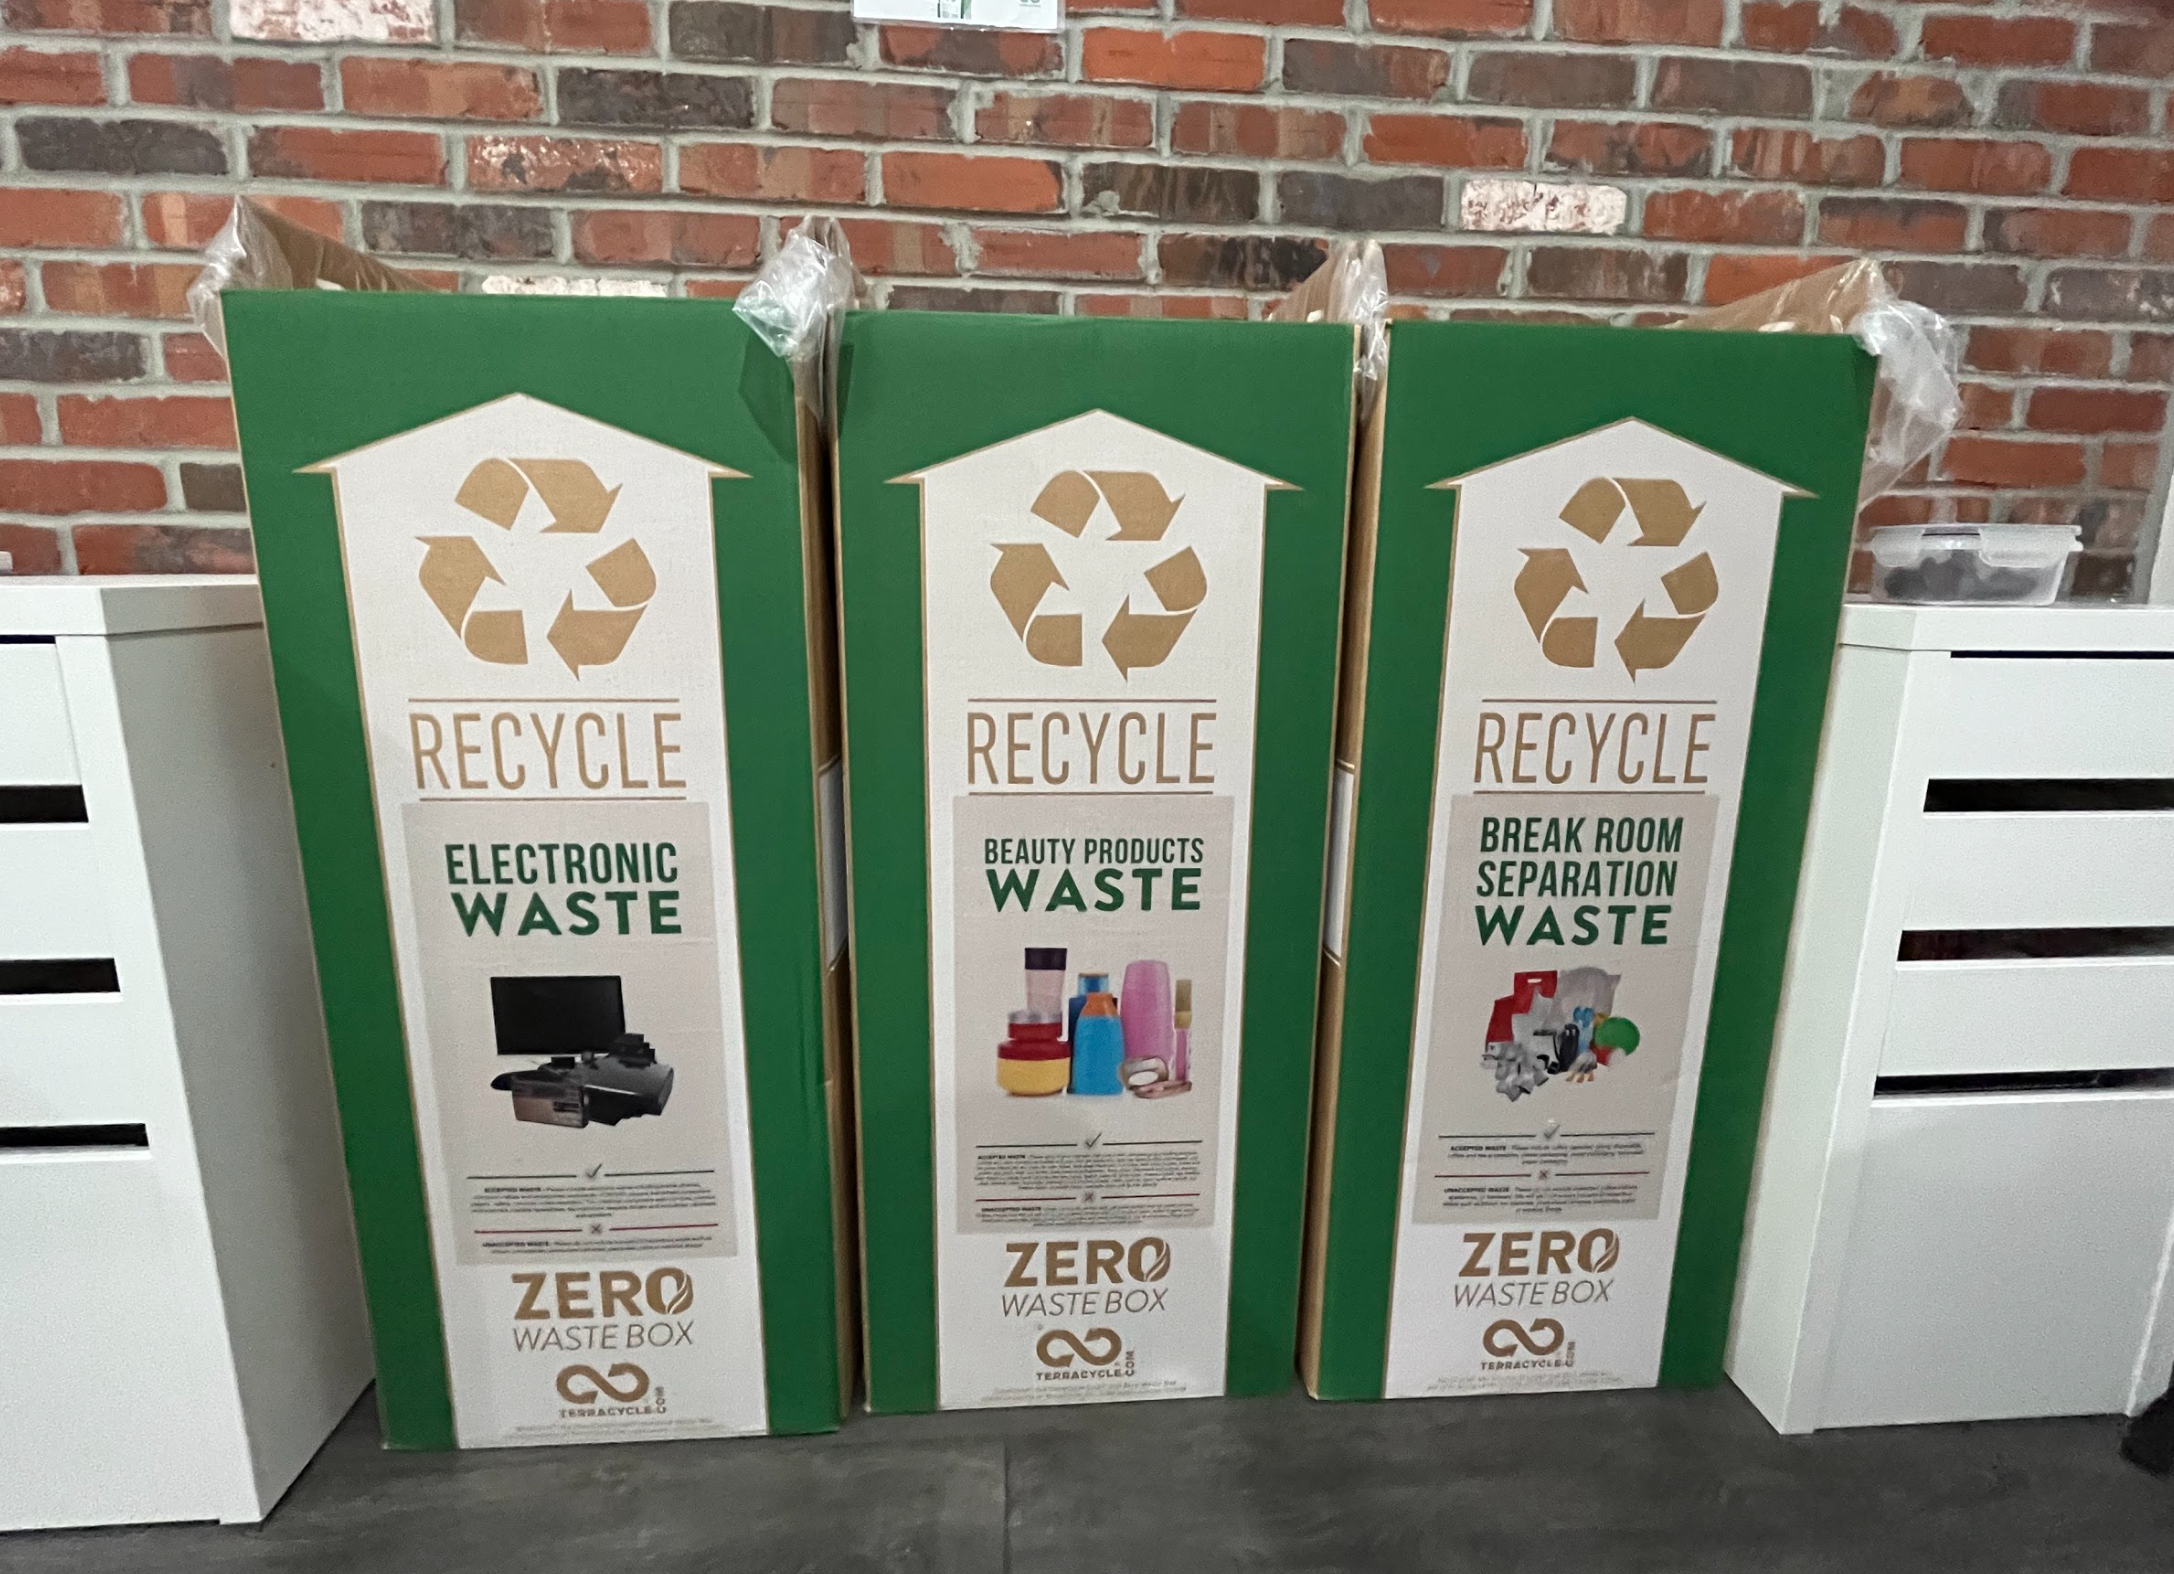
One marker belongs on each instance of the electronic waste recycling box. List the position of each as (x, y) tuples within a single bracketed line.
[(1090, 577), (546, 591), (1596, 578)]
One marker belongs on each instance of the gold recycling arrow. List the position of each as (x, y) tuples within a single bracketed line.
[(1179, 582), (1692, 586), (1023, 574), (591, 636), (1593, 509), (454, 569), (1665, 513), (624, 575), (1649, 643), (1068, 502), (494, 490), (1549, 574), (1054, 639), (1142, 507), (578, 501), (1142, 639)]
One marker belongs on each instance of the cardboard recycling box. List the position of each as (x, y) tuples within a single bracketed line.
[(547, 595), (1596, 577), (1090, 580)]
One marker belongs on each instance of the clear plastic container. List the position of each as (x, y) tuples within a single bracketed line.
[(2013, 565)]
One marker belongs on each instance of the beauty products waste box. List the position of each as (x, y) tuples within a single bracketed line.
[(1090, 581), (546, 594), (1596, 573)]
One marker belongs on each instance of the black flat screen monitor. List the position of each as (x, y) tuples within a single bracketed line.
[(564, 1014)]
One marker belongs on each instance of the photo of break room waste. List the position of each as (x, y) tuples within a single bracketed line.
[(882, 783)]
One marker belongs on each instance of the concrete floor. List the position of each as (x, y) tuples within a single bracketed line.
[(1681, 1483)]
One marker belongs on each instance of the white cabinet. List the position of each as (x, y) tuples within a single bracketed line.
[(1965, 1185), (179, 1298)]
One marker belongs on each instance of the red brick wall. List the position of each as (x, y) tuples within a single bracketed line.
[(2015, 162)]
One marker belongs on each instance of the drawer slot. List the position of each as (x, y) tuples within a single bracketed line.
[(42, 806), (83, 975), (48, 1139)]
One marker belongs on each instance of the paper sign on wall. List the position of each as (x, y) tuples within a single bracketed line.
[(1028, 16)]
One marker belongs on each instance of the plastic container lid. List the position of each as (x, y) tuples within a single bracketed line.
[(2000, 546), (1045, 959), (1034, 1049), (1036, 1025)]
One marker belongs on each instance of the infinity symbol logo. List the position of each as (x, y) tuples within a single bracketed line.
[(1057, 1347), (1504, 1337), (585, 1385)]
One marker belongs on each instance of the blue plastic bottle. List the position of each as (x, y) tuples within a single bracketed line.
[(1098, 1048), (1089, 984)]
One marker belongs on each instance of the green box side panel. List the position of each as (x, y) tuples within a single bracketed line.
[(317, 374), (917, 389), (1463, 396)]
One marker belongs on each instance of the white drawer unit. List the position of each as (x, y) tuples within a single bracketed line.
[(179, 1297), (1964, 1199)]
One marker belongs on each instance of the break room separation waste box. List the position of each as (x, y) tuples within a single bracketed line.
[(1597, 573), (546, 594), (1090, 574)]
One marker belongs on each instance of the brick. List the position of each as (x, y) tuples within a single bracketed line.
[(248, 84), (1266, 13), (1976, 40), (1732, 87), (933, 298), (2061, 352), (2122, 174), (169, 421), (396, 158), (1059, 254), (654, 100), (1541, 207), (119, 289), (774, 174), (1262, 131), (1189, 193), (2057, 232), (212, 488), (1451, 18), (1775, 153), (438, 89), (37, 216), (657, 236), (34, 355), (1424, 268), (2111, 294), (1975, 164), (335, 21), (1730, 276), (1240, 262), (187, 220), (1887, 99), (1449, 141), (2010, 461), (889, 246), (1208, 62), (1986, 408), (19, 422), (1187, 307), (2132, 465), (1356, 202), (597, 27), (1960, 288), (162, 549), (889, 111), (2159, 239), (1639, 21), (1546, 81), (37, 76), (1798, 27), (31, 549), (2143, 49), (762, 34), (81, 486), (1643, 147), (2151, 357), (475, 231), (184, 18), (965, 183), (2094, 410), (120, 147), (2084, 109), (1771, 218), (14, 287), (974, 52), (497, 163), (1067, 120), (189, 358), (1892, 224), (1592, 273), (1319, 65)]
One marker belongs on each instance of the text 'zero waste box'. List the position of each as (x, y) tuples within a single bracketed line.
[(546, 594), (1596, 574), (1090, 574)]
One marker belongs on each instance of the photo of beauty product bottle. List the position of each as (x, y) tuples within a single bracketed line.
[(1098, 1048), (1045, 979), (1089, 984)]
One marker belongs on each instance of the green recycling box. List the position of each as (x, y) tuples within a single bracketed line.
[(546, 591), (1090, 576), (1597, 573)]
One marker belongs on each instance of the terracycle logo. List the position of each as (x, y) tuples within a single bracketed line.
[(585, 1385), (456, 568), (1503, 1337), (1060, 1346), (1663, 515), (1137, 634)]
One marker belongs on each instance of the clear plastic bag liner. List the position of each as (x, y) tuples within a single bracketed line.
[(1351, 286), (793, 303), (1917, 402), (259, 250)]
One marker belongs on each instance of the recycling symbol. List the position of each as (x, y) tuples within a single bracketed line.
[(1025, 572), (455, 568), (1663, 515)]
